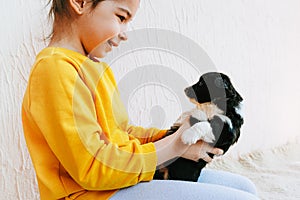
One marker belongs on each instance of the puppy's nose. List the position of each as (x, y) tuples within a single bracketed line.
[(188, 92)]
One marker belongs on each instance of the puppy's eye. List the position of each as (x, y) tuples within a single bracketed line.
[(200, 83)]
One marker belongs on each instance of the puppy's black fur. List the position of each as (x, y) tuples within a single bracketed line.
[(216, 88)]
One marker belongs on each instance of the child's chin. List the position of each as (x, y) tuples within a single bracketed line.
[(98, 56)]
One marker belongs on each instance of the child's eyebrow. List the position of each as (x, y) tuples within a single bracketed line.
[(125, 10)]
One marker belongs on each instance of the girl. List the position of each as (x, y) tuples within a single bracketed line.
[(76, 127)]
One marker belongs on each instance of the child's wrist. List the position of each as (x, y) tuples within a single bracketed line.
[(178, 146)]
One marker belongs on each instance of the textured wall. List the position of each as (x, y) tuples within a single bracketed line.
[(256, 42)]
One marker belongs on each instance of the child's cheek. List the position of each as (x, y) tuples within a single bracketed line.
[(112, 29)]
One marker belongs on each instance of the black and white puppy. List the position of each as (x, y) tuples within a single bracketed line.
[(216, 120)]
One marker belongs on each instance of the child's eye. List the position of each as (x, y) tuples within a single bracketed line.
[(122, 18)]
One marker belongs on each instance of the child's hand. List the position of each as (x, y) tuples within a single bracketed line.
[(200, 150), (172, 146)]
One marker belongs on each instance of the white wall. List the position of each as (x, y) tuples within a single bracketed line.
[(256, 42)]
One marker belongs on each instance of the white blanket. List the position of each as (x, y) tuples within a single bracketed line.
[(275, 172)]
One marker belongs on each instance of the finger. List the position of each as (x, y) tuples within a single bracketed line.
[(207, 158), (216, 151)]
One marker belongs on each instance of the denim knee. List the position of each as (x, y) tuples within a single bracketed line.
[(227, 179)]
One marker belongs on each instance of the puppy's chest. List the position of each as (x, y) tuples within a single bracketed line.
[(206, 112)]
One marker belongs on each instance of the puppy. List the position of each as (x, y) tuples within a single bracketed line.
[(216, 120)]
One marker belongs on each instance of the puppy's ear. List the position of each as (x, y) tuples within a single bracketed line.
[(234, 94), (230, 90)]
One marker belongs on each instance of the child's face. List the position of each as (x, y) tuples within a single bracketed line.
[(104, 27)]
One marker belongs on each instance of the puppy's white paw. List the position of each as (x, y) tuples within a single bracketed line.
[(189, 137), (200, 131)]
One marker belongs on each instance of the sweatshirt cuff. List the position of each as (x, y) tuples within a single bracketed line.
[(150, 162)]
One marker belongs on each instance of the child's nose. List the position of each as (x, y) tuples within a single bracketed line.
[(123, 36)]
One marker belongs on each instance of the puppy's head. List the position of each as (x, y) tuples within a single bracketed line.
[(213, 87)]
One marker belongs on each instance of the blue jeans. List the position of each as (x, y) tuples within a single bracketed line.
[(211, 185)]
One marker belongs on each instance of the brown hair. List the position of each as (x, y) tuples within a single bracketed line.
[(60, 8), (60, 11)]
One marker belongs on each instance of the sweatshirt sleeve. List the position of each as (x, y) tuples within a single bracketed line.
[(146, 135), (63, 109)]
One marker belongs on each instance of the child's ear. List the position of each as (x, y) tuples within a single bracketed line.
[(78, 6)]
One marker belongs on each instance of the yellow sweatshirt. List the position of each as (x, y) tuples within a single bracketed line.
[(76, 129)]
